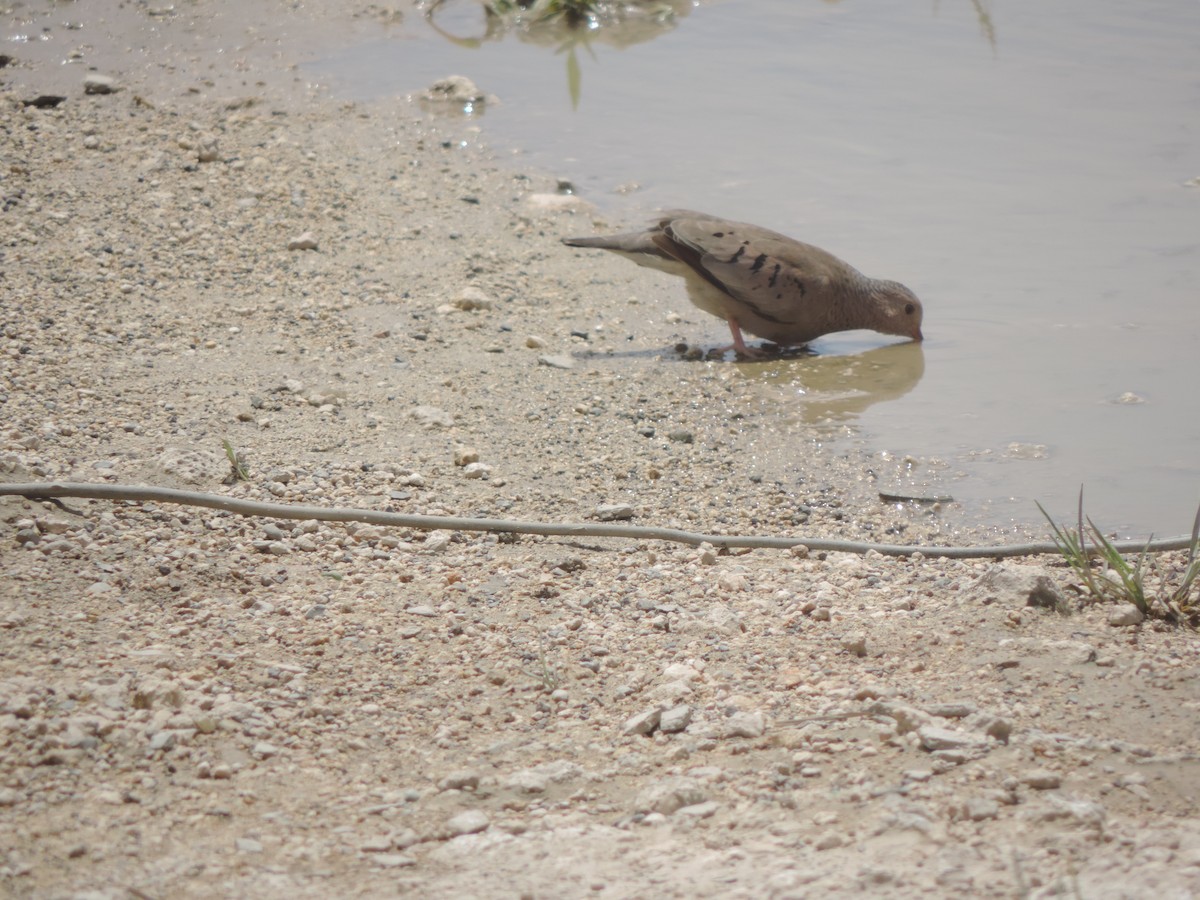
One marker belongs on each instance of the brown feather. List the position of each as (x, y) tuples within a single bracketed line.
[(764, 282)]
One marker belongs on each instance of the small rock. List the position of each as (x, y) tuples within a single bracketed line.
[(533, 342), (855, 644), (248, 845), (305, 241), (432, 417), (1082, 812), (427, 611), (680, 672), (1075, 652), (567, 564), (669, 795), (1042, 780), (556, 361), (456, 90), (789, 677), (462, 780), (464, 456), (951, 710), (745, 725), (1126, 615), (472, 821), (980, 808), (675, 719), (733, 582), (934, 738), (527, 781), (1013, 585), (725, 619), (643, 723), (437, 541), (405, 838), (535, 780), (614, 511), (670, 693), (94, 83), (376, 844), (393, 860), (681, 436), (470, 299), (208, 150), (831, 840)]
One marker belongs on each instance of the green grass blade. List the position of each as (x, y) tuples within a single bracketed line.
[(574, 78)]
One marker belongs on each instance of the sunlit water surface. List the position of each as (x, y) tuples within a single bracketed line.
[(1023, 166)]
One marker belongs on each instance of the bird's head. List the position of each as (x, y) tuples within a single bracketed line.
[(901, 310)]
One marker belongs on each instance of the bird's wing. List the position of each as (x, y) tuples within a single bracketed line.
[(773, 277)]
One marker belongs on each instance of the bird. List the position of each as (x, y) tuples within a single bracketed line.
[(763, 282)]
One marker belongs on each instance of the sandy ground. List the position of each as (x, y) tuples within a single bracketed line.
[(198, 704)]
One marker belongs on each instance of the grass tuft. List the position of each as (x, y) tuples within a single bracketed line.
[(1119, 580), (237, 464), (546, 674)]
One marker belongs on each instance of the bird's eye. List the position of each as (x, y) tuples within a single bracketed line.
[(909, 309)]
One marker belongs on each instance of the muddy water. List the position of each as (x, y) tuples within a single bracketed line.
[(1023, 166)]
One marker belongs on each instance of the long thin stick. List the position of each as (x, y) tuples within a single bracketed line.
[(143, 494)]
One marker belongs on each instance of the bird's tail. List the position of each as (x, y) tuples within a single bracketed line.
[(603, 243), (636, 243)]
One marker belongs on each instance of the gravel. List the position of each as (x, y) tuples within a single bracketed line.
[(196, 704)]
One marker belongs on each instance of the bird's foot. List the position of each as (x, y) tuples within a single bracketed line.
[(748, 352), (739, 343), (742, 352)]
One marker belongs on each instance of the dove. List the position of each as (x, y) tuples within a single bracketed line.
[(763, 282)]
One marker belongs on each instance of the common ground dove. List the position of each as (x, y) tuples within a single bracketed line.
[(763, 282)]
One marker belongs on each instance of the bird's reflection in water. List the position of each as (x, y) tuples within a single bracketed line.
[(838, 383)]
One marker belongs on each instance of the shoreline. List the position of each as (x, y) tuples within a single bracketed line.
[(193, 703)]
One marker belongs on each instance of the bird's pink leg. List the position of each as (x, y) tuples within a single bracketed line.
[(739, 344)]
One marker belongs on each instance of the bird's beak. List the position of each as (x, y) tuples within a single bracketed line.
[(917, 336)]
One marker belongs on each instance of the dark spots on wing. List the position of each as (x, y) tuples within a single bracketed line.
[(718, 234), (738, 255), (761, 313), (759, 262), (774, 275)]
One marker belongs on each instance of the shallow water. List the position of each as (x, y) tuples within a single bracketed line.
[(1022, 166)]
